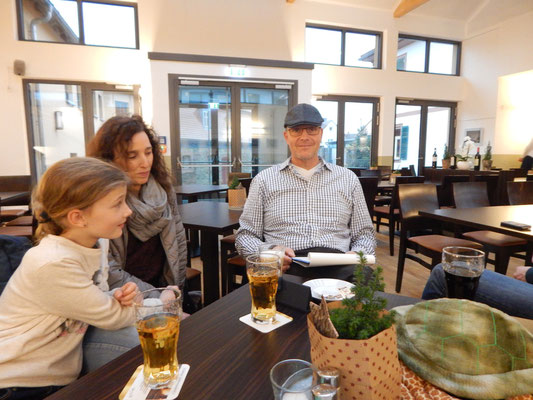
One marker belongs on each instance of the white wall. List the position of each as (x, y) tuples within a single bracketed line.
[(272, 29)]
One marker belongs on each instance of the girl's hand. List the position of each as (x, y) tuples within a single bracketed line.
[(168, 295), (520, 273), (126, 294)]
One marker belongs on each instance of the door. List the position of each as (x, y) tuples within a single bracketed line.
[(421, 127), (227, 127)]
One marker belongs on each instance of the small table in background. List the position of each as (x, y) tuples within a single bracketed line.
[(192, 191)]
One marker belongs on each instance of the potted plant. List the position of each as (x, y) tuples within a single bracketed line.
[(374, 165), (236, 195), (446, 162), (463, 162), (487, 158), (362, 345)]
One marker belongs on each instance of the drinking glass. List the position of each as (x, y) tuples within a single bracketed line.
[(462, 268), (158, 313), (269, 248), (263, 271), (293, 380)]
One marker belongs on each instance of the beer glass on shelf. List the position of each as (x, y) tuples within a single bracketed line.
[(263, 271), (158, 313), (462, 269)]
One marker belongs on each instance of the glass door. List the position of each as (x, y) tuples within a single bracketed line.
[(422, 126), (227, 127)]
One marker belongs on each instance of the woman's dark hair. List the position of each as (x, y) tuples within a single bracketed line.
[(111, 144)]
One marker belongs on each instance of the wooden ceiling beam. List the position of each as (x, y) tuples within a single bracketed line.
[(406, 6)]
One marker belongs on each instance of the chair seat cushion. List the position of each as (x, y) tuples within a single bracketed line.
[(191, 273), (438, 242), (237, 260), (228, 239), (25, 220), (9, 214), (494, 238), (25, 231), (385, 210)]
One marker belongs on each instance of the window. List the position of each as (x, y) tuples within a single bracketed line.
[(340, 46), (434, 56), (86, 22)]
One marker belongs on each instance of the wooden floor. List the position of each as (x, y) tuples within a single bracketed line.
[(415, 275)]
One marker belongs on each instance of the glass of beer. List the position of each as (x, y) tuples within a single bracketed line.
[(263, 271), (462, 268), (158, 313), (269, 248)]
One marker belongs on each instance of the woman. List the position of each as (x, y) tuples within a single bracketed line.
[(153, 249)]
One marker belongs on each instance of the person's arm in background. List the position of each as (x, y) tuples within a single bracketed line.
[(250, 234), (362, 237)]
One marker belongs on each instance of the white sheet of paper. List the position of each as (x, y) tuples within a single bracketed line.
[(329, 259)]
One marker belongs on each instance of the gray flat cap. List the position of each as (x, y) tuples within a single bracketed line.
[(303, 114)]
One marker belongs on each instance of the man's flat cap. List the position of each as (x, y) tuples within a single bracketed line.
[(303, 114)]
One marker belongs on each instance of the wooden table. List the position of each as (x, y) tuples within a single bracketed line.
[(14, 198), (211, 218), (228, 359), (489, 218), (192, 191)]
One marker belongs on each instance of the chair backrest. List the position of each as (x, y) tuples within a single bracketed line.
[(402, 180), (417, 197), (520, 192), (371, 172), (412, 169), (529, 178), (356, 171), (12, 249), (445, 192), (492, 186), (406, 172), (246, 182), (369, 184), (470, 194), (15, 183), (386, 171)]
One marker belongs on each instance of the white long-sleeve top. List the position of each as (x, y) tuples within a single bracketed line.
[(44, 312)]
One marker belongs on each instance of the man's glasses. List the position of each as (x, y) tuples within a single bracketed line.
[(299, 131)]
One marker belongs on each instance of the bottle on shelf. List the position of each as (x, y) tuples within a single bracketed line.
[(477, 161), (434, 159)]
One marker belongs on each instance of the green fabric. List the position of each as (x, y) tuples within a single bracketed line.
[(466, 348)]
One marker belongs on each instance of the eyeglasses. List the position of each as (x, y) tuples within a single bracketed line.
[(298, 131)]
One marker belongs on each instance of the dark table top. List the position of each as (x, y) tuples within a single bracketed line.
[(209, 215), (194, 189), (228, 359), (14, 198), (487, 218)]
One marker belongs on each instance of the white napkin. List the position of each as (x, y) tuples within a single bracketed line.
[(281, 319)]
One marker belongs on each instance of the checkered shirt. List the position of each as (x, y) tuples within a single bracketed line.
[(327, 211)]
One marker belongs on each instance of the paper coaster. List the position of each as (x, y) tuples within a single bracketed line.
[(136, 389), (281, 319)]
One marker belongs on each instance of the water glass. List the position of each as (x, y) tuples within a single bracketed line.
[(293, 380), (462, 269)]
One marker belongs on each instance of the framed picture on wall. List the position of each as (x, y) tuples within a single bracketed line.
[(475, 134)]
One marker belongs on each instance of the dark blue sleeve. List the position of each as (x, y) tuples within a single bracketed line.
[(529, 275)]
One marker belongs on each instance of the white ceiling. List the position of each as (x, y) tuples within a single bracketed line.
[(476, 14)]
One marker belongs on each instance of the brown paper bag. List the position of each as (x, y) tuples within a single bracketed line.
[(369, 369), (236, 198)]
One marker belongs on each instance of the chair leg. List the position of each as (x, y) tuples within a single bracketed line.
[(392, 224), (401, 262), (529, 254), (378, 222), (501, 260)]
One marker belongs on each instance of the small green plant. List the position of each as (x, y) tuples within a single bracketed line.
[(234, 183), (446, 155), (362, 315), (488, 154), (459, 157)]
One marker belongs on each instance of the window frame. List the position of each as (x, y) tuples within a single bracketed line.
[(379, 44), (81, 39), (428, 41)]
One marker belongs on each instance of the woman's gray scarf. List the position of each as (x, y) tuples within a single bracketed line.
[(151, 211)]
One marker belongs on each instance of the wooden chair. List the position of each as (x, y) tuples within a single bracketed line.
[(520, 192), (232, 265), (386, 171), (474, 194), (413, 198), (356, 171), (370, 188), (445, 190), (375, 173), (492, 186), (392, 212)]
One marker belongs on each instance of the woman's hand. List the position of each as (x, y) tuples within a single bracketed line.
[(520, 273), (126, 294)]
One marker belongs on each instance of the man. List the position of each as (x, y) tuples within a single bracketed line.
[(306, 203)]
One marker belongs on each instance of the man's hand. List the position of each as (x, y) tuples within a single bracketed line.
[(289, 253), (520, 273), (126, 294)]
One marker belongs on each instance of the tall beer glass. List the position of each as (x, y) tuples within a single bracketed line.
[(462, 268), (263, 271), (158, 313)]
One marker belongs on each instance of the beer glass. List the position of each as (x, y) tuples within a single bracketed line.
[(293, 380), (263, 271), (269, 248), (158, 313), (462, 269)]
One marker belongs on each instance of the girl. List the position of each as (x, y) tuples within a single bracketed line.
[(153, 249), (51, 298)]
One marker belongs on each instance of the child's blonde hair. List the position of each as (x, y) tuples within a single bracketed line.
[(73, 183)]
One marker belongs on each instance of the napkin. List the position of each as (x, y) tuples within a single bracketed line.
[(281, 319), (136, 389)]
